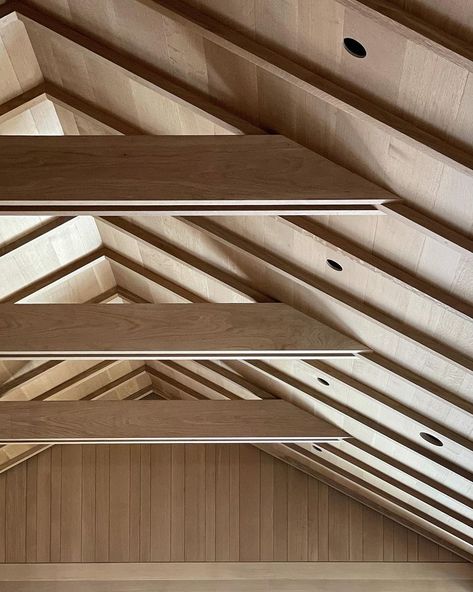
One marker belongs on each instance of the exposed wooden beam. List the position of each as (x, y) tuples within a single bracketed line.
[(409, 215), (384, 268), (57, 275), (137, 172), (22, 102), (287, 454), (166, 331), (137, 70), (306, 279), (364, 389), (430, 227), (349, 484), (314, 84), (331, 403), (87, 110), (163, 422), (38, 232), (392, 404), (186, 258)]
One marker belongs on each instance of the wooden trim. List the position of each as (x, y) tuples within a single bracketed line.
[(170, 422), (221, 571), (166, 331), (202, 210)]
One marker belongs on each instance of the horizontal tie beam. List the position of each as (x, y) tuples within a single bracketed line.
[(161, 422), (176, 175), (166, 331)]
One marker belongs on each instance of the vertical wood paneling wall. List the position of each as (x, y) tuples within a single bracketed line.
[(187, 503)]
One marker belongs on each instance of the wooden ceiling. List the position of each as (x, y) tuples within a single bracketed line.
[(401, 118)]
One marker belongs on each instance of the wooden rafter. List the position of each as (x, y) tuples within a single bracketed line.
[(314, 84)]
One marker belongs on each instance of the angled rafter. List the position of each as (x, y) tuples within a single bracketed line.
[(140, 173), (315, 460), (381, 266), (314, 84), (326, 401), (306, 279), (168, 331), (373, 358), (32, 235), (144, 74)]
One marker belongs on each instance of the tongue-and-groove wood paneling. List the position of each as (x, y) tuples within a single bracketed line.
[(187, 503)]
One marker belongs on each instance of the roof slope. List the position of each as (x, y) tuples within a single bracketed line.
[(399, 118)]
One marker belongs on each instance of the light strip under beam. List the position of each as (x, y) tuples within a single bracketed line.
[(163, 422), (166, 331)]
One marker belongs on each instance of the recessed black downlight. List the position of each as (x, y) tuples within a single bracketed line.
[(431, 439), (334, 265), (323, 381), (354, 47)]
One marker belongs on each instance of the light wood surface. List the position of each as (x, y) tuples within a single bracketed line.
[(160, 422), (411, 71), (165, 331), (174, 171), (190, 503)]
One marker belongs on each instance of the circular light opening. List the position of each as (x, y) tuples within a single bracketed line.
[(334, 265), (431, 439), (323, 381), (317, 448), (354, 47)]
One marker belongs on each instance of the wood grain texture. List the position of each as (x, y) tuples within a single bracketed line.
[(165, 331), (174, 171), (173, 486), (163, 421)]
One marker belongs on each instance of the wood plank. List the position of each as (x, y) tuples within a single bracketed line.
[(161, 422), (221, 571), (157, 171), (165, 331)]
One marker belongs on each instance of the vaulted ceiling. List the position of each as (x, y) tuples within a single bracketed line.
[(401, 117)]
